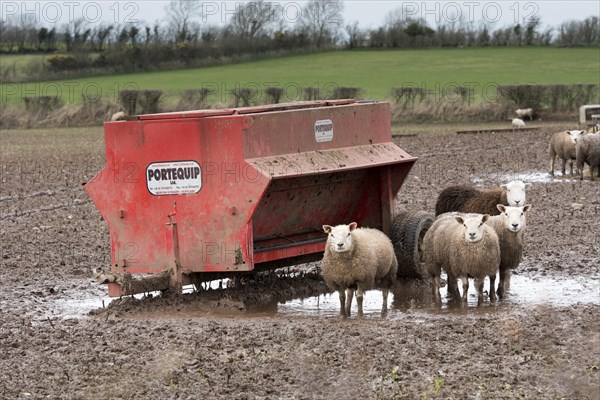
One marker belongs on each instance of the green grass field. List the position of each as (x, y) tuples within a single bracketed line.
[(374, 71), (19, 61)]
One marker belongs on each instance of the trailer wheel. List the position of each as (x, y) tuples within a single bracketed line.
[(408, 230)]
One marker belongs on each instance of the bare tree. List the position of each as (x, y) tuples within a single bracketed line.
[(356, 36), (253, 18), (25, 31), (589, 31), (531, 30), (322, 20), (180, 14)]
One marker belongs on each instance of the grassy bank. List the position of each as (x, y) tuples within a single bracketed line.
[(376, 72)]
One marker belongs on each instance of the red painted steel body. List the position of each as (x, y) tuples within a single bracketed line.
[(267, 185)]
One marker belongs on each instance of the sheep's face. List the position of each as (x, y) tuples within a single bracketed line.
[(514, 217), (473, 227), (575, 135), (515, 192), (340, 237)]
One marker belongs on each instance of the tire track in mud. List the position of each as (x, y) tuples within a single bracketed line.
[(40, 193), (20, 214)]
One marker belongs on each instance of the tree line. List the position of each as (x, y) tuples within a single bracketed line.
[(255, 29)]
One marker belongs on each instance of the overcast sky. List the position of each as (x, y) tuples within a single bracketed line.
[(367, 13)]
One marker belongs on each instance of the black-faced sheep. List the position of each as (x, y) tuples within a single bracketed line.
[(467, 199), (464, 246), (587, 152), (358, 259), (562, 144)]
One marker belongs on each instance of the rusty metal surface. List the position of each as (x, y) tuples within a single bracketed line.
[(269, 177)]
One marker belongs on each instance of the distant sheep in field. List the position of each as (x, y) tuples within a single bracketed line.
[(118, 116), (468, 199), (588, 152), (524, 113), (358, 259), (464, 246), (518, 123), (562, 144), (121, 116)]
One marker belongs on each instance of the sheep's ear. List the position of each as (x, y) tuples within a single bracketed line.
[(568, 132), (501, 207), (460, 220), (504, 186), (352, 226), (527, 207), (327, 228), (485, 217), (583, 132), (527, 185)]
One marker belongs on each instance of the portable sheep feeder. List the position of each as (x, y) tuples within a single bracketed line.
[(199, 195)]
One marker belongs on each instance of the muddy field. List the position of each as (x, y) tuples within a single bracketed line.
[(60, 338)]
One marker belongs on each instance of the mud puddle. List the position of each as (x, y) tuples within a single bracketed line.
[(534, 176), (525, 291), (407, 297)]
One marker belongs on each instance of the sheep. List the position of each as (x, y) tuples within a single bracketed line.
[(358, 259), (562, 144), (469, 199), (121, 116), (523, 113), (518, 123), (588, 151), (509, 226), (464, 246), (118, 116)]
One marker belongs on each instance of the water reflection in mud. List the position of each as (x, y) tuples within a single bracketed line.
[(407, 297)]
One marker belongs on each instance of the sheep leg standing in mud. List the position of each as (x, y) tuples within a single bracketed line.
[(355, 259)]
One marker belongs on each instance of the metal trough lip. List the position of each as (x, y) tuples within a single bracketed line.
[(246, 110), (334, 160)]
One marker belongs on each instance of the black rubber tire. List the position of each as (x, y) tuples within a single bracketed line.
[(408, 229)]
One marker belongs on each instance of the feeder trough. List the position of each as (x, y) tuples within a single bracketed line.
[(199, 195)]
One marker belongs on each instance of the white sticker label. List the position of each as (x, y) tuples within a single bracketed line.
[(324, 130), (173, 178)]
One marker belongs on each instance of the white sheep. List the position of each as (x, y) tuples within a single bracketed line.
[(562, 144), (358, 259), (468, 199), (518, 123), (510, 228), (523, 113), (118, 116), (464, 246), (587, 151), (121, 116)]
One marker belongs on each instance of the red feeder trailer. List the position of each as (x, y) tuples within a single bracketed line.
[(199, 195)]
